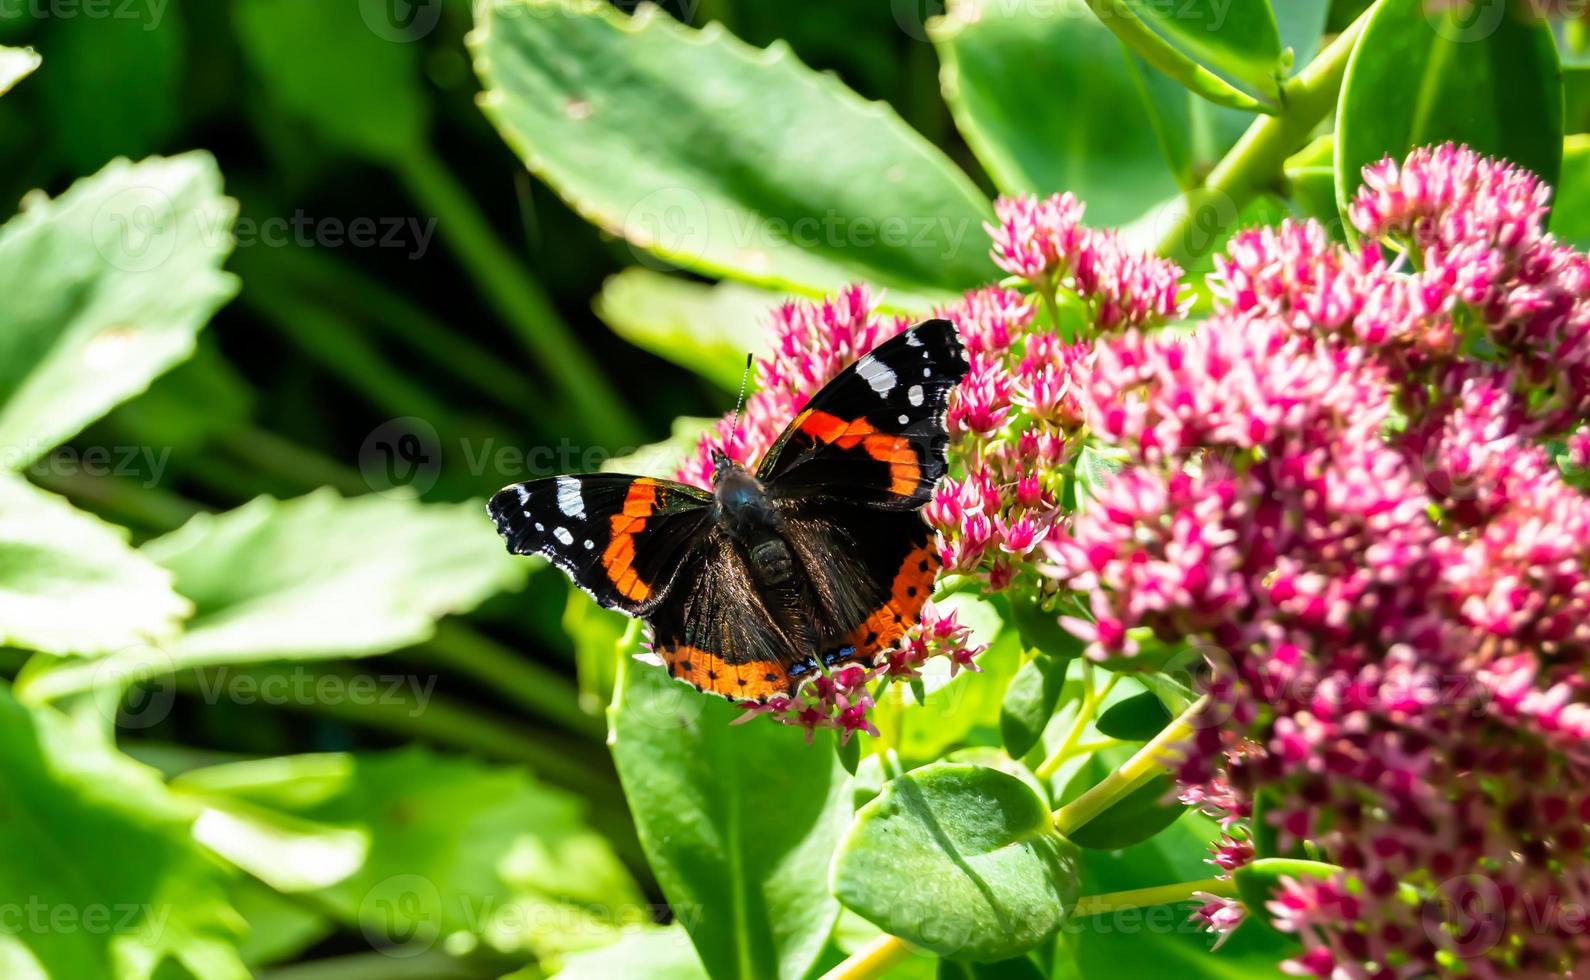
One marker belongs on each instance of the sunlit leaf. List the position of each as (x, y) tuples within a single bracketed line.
[(702, 328)]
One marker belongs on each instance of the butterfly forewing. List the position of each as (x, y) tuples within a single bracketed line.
[(623, 539), (875, 434)]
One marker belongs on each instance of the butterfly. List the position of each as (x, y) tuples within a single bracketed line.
[(817, 558)]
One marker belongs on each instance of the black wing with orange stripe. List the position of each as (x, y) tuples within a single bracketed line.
[(623, 539), (875, 434)]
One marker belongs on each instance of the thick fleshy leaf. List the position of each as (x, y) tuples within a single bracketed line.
[(1030, 702), (304, 49), (739, 823), (806, 187), (961, 860), (15, 65), (1421, 75), (71, 584), (106, 287), (1136, 719), (95, 844), (659, 954), (1099, 142), (447, 845), (701, 328)]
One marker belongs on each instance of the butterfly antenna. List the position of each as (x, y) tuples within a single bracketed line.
[(740, 401)]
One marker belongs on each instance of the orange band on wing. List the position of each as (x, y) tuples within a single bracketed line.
[(618, 558), (904, 469), (754, 681), (912, 585)]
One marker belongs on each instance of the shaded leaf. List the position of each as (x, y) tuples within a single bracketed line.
[(1421, 75), (86, 832), (1030, 702), (71, 584), (1137, 719), (805, 187), (305, 49), (1101, 146), (1234, 38), (961, 860), (701, 328), (738, 823), (106, 287), (1132, 819)]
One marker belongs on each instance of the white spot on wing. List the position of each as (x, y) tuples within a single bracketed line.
[(563, 535), (905, 420), (589, 544), (540, 527), (914, 395), (912, 340), (927, 372), (877, 374), (569, 499)]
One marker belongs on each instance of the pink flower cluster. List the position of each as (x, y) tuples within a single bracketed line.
[(811, 344), (1340, 487)]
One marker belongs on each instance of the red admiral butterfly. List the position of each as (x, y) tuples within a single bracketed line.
[(821, 553)]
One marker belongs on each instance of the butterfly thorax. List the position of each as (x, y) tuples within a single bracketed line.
[(753, 522)]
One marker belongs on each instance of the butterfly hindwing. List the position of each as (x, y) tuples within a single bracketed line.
[(875, 433), (620, 538)]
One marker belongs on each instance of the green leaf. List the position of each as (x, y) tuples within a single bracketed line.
[(1235, 38), (322, 576), (1099, 142), (279, 928), (118, 80), (663, 459), (1311, 182), (71, 584), (705, 329), (1301, 25), (738, 823), (95, 844), (1030, 702), (1137, 719), (1485, 77), (961, 860), (659, 954), (106, 287), (1040, 629), (448, 846), (1019, 968), (1570, 209), (805, 187), (305, 50), (15, 65)]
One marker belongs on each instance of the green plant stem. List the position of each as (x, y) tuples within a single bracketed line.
[(1258, 157), (1138, 898), (1156, 756), (518, 298), (1089, 708), (546, 693), (1139, 37)]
